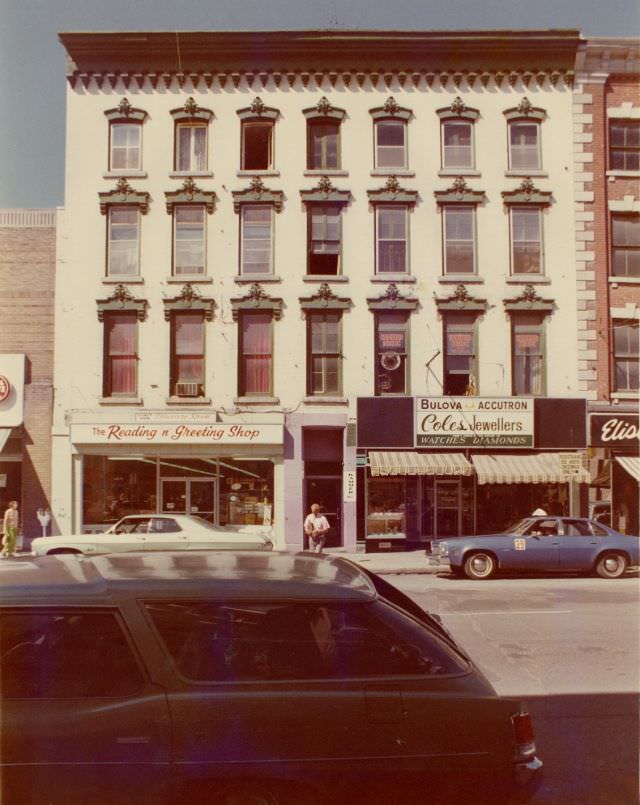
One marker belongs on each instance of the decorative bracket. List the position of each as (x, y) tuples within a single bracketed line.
[(525, 109), (527, 193), (460, 193), (460, 299), (458, 110), (191, 111), (529, 299), (392, 192), (391, 299), (124, 112), (258, 111), (326, 192), (390, 109), (324, 110), (257, 193), (325, 299)]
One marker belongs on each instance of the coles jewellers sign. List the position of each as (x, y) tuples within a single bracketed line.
[(176, 433), (474, 422)]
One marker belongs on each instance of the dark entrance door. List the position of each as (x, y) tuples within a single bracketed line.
[(327, 492)]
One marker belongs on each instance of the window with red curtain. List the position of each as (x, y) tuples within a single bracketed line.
[(120, 371), (255, 354), (187, 355)]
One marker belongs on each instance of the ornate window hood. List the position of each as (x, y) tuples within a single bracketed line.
[(122, 301), (392, 193), (391, 109), (527, 193), (258, 111), (323, 110), (191, 111), (190, 193), (124, 194), (461, 300), (525, 110), (460, 193), (325, 299), (391, 299), (256, 300), (257, 193), (189, 299), (325, 192), (529, 300), (125, 113), (458, 110)]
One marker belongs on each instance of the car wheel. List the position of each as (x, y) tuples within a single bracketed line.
[(611, 565), (63, 551), (479, 566)]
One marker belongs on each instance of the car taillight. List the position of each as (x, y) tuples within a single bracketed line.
[(523, 734)]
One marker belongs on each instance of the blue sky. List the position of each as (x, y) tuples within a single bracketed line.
[(32, 65)]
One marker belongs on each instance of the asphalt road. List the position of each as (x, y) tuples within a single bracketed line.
[(571, 648)]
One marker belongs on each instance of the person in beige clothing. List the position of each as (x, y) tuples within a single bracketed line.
[(10, 529)]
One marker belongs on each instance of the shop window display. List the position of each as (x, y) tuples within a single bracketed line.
[(113, 487), (387, 504), (501, 505), (246, 492)]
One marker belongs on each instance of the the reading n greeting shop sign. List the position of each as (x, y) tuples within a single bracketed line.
[(474, 422), (171, 433)]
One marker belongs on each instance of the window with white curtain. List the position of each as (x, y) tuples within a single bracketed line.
[(524, 145), (191, 147), (189, 245), (125, 151), (391, 239), (123, 247), (256, 248), (120, 354)]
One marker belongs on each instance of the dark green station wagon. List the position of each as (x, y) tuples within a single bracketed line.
[(240, 679)]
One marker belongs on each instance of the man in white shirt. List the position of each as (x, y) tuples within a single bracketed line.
[(316, 527)]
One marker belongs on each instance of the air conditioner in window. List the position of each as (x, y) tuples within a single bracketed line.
[(187, 389)]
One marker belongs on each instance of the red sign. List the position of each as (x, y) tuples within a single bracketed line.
[(5, 388)]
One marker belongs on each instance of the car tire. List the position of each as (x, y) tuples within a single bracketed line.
[(479, 565), (611, 565), (67, 551)]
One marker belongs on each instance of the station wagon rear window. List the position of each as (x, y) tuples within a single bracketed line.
[(244, 642), (65, 654)]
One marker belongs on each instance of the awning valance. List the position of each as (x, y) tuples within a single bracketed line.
[(543, 468), (630, 464), (405, 462)]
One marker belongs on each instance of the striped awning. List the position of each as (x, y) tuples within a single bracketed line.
[(405, 462), (630, 464), (542, 468)]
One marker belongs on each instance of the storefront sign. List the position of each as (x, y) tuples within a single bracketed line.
[(615, 430), (474, 422), (5, 388), (349, 486), (571, 463), (169, 433), (11, 390)]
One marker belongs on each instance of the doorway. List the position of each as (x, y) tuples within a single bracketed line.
[(447, 508), (327, 492), (195, 496)]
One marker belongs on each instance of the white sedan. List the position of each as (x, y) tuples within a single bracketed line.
[(157, 532)]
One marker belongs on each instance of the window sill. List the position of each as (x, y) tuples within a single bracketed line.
[(325, 172), (613, 174), (123, 279), (528, 279), (266, 172), (246, 278), (458, 278), (459, 172), (392, 172), (191, 278), (120, 400), (188, 401), (392, 278), (313, 399), (125, 174), (620, 396), (257, 400), (325, 278), (192, 174), (615, 281), (519, 173)]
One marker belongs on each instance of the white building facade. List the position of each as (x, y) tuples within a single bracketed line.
[(261, 230)]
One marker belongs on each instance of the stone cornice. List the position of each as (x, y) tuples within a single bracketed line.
[(325, 299), (391, 299), (392, 193), (123, 194), (527, 193), (191, 111), (256, 301), (212, 52), (122, 301), (529, 301), (189, 299), (460, 193), (257, 193), (190, 193)]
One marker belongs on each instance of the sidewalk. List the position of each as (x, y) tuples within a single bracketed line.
[(392, 562)]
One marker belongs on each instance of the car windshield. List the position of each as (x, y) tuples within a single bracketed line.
[(520, 527)]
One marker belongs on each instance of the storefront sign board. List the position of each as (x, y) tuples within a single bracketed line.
[(11, 389), (615, 430), (349, 486), (176, 433), (494, 422)]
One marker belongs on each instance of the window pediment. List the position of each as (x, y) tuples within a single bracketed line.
[(527, 193), (460, 193), (390, 110), (325, 192), (125, 113), (529, 300), (258, 111), (191, 111), (122, 301), (323, 110), (124, 194), (325, 299), (256, 300), (461, 300), (257, 193), (190, 193), (391, 193), (392, 299), (189, 299), (458, 111), (526, 110)]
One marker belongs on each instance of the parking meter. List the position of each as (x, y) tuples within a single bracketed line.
[(44, 518)]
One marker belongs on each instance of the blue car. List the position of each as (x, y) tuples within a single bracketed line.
[(549, 544)]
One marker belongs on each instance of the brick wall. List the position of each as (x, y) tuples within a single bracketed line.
[(27, 273)]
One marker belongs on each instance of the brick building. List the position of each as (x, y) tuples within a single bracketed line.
[(27, 282), (607, 173)]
